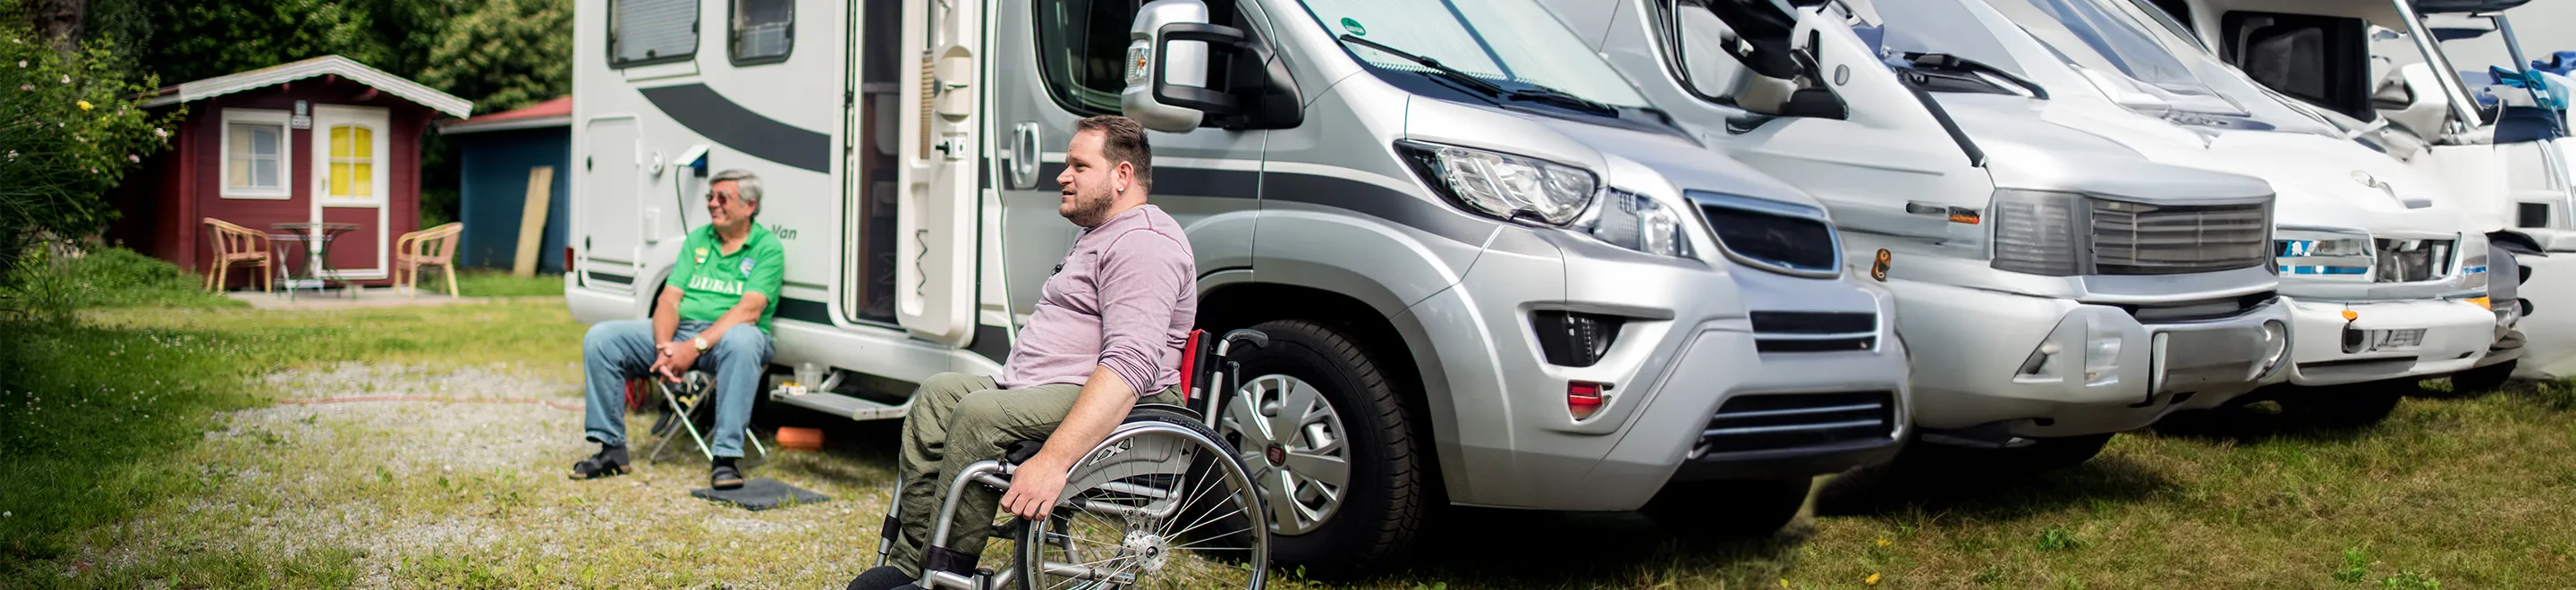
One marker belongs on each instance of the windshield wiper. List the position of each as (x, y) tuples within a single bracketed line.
[(1533, 93), (1537, 92), (1952, 63), (1452, 74)]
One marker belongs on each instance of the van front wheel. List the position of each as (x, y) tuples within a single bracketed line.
[(1330, 446)]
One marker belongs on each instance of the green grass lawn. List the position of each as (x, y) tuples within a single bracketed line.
[(479, 282), (105, 417)]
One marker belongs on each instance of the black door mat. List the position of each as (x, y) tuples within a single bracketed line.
[(761, 493)]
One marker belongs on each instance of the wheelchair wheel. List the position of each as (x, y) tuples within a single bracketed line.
[(1161, 504)]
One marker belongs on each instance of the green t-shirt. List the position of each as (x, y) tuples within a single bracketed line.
[(712, 282)]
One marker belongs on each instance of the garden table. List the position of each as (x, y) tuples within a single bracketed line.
[(317, 255)]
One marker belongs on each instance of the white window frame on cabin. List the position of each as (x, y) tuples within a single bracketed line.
[(285, 155)]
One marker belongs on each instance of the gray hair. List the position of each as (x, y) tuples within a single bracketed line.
[(746, 185)]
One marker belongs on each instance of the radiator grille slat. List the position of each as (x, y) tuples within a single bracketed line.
[(2134, 239), (1772, 422)]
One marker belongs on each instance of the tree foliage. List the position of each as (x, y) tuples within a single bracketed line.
[(71, 125), (505, 54)]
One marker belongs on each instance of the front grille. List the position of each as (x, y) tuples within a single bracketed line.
[(1812, 331), (1791, 421), (1781, 241), (2136, 239), (2409, 261)]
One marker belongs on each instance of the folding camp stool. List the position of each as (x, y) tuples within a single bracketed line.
[(691, 407)]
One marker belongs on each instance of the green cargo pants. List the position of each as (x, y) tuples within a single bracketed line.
[(955, 421)]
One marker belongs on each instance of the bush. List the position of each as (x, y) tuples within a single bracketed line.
[(52, 285), (70, 126)]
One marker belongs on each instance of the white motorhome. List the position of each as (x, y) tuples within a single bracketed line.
[(1491, 274), (2376, 68), (2106, 288)]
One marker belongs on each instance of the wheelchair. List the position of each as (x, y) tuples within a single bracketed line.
[(1162, 502)]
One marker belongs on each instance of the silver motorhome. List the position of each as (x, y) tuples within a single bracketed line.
[(1498, 281), (2086, 289)]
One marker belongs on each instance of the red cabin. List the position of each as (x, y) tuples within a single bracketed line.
[(323, 140)]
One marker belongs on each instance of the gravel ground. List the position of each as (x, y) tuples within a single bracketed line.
[(431, 494)]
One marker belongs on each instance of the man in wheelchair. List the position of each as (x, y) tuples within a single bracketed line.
[(713, 315), (1107, 333)]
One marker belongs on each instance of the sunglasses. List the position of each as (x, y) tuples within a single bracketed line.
[(722, 197)]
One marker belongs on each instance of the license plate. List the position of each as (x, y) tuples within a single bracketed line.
[(2396, 339)]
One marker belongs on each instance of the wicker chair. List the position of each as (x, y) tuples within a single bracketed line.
[(429, 247), (235, 244)]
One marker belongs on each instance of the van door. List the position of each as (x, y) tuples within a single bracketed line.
[(608, 224), (935, 214), (1079, 48)]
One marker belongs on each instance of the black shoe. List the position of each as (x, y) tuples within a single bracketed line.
[(724, 476), (884, 577), (610, 460)]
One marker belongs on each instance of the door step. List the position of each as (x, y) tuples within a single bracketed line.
[(841, 405)]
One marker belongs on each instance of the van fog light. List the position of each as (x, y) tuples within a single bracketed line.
[(1574, 339), (2102, 360), (2276, 348)]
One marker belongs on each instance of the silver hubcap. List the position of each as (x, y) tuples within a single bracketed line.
[(1293, 440)]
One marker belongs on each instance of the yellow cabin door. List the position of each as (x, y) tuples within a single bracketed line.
[(352, 169)]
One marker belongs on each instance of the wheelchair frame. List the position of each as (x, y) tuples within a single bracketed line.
[(1206, 374)]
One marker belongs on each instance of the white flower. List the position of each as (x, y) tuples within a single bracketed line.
[(26, 87), (22, 63), (164, 133), (13, 154), (134, 158), (67, 78)]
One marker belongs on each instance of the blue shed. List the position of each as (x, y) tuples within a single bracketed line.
[(496, 154)]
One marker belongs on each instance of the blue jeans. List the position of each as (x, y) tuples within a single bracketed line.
[(618, 350)]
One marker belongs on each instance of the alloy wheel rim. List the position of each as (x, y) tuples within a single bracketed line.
[(1293, 439)]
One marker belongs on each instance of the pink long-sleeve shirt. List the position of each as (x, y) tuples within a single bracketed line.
[(1125, 299)]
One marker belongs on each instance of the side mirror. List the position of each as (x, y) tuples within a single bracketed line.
[(2393, 94), (2426, 107), (1167, 66)]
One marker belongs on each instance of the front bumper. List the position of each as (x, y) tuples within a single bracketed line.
[(1685, 350), (1981, 378), (2326, 349)]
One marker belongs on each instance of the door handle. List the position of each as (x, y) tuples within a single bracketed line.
[(1024, 158)]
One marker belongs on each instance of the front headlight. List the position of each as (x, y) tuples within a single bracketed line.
[(1636, 222), (1503, 185), (2036, 232)]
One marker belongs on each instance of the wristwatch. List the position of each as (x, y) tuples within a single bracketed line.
[(700, 342)]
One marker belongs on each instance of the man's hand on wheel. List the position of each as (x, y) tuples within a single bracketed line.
[(1034, 488)]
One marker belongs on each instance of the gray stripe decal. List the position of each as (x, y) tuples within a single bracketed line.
[(804, 310), (707, 113), (611, 278), (1315, 189), (993, 342)]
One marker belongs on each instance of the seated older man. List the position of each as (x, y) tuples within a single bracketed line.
[(713, 315)]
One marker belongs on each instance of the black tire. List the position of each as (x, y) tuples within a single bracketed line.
[(2348, 406), (2044, 454), (1730, 509), (1382, 502), (2483, 380)]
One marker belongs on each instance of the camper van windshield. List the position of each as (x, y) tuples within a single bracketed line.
[(1514, 44), (2091, 35)]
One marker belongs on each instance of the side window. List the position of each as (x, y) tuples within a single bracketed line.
[(1706, 66), (1082, 50), (254, 150), (2319, 59), (764, 31), (651, 31)]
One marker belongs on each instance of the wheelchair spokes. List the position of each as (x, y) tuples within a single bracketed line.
[(1184, 520)]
